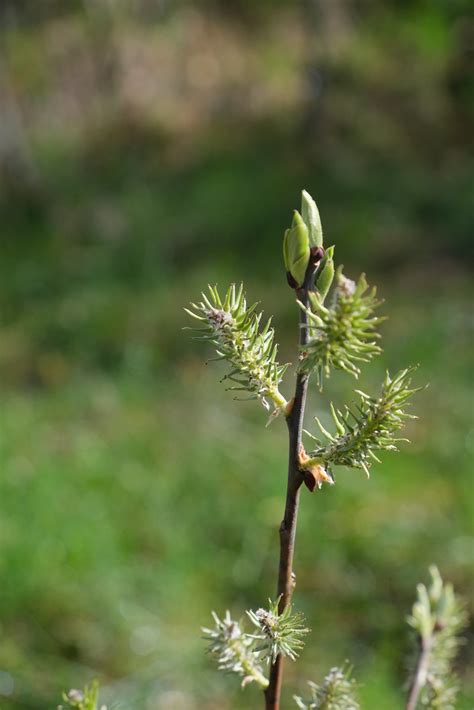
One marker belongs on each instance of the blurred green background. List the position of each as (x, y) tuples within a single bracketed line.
[(148, 147)]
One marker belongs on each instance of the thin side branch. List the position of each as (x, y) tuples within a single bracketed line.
[(419, 679), (437, 617)]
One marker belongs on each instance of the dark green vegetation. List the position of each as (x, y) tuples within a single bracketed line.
[(135, 496)]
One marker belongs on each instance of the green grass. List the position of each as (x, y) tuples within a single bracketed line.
[(133, 504), (135, 495)]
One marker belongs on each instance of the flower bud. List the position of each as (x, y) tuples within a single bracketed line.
[(325, 273), (296, 251), (311, 218)]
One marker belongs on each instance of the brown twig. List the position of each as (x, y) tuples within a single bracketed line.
[(286, 577)]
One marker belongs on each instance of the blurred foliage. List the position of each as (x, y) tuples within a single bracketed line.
[(147, 148)]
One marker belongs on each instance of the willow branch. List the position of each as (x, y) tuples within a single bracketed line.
[(286, 577)]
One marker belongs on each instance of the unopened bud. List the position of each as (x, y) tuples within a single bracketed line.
[(311, 218), (296, 251), (325, 273)]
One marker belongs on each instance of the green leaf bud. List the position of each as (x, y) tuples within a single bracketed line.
[(325, 273), (311, 218), (296, 251)]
